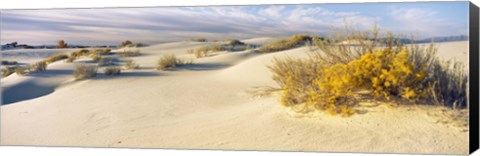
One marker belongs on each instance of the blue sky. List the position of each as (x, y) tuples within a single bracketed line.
[(162, 24)]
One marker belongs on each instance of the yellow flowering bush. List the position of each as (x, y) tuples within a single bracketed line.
[(383, 72)]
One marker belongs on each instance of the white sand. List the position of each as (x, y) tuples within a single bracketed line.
[(206, 106)]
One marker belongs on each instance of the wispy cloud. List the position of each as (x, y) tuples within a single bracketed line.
[(425, 21), (102, 26)]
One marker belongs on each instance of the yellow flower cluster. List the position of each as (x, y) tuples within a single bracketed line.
[(384, 72)]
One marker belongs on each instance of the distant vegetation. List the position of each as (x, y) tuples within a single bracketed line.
[(129, 43), (95, 54), (285, 44), (62, 44), (230, 45), (199, 39), (129, 53), (333, 74)]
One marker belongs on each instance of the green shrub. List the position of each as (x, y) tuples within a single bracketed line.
[(56, 57), (84, 71), (112, 71)]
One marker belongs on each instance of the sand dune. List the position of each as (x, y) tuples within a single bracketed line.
[(204, 106)]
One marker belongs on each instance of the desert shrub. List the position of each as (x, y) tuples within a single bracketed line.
[(199, 39), (382, 72), (170, 61), (199, 53), (129, 53), (105, 61), (130, 64), (446, 81), (85, 71), (79, 53), (285, 44), (126, 43), (294, 76), (38, 67), (56, 57), (20, 71), (234, 42), (96, 57), (100, 51), (112, 71), (232, 45), (70, 59), (328, 81)]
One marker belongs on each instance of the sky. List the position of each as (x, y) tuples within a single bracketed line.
[(110, 26)]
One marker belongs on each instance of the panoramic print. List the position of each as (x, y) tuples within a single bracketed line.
[(365, 77)]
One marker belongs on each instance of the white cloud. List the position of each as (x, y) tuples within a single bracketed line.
[(425, 21), (176, 23)]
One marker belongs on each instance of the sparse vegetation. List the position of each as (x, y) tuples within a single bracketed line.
[(6, 71), (79, 53), (232, 45), (129, 43), (70, 59), (199, 39), (56, 57), (62, 44), (170, 61), (129, 53), (38, 67), (329, 79), (105, 61), (130, 64), (101, 51), (83, 71), (20, 71), (112, 71), (285, 44)]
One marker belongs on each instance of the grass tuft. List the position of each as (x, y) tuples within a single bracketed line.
[(83, 71)]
